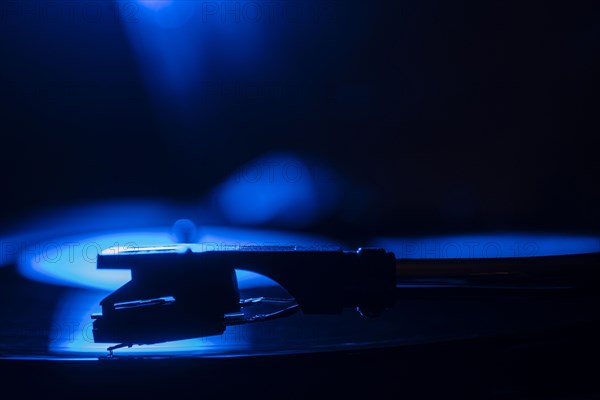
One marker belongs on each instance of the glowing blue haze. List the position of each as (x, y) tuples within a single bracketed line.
[(176, 41), (489, 245)]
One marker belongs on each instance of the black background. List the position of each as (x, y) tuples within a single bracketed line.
[(477, 116)]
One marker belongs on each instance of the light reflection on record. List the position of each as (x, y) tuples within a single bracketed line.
[(489, 245), (412, 321), (71, 261)]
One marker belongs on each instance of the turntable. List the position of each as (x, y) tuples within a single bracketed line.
[(317, 198), (182, 298)]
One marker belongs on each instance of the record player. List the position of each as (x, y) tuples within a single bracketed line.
[(328, 314), (241, 198)]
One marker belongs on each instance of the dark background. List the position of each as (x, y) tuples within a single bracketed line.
[(444, 116), (437, 116)]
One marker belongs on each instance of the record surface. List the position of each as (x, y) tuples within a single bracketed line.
[(51, 287)]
